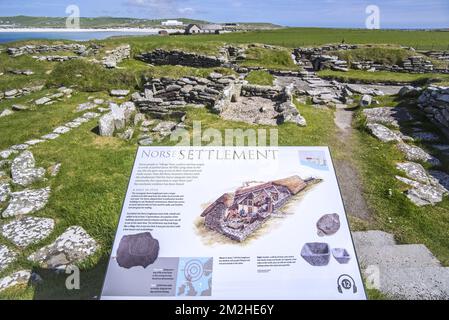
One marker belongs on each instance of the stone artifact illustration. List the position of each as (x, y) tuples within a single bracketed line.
[(137, 250), (328, 225), (237, 215), (316, 253), (341, 255)]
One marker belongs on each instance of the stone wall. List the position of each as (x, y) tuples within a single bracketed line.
[(35, 49), (174, 57), (435, 103), (14, 93), (116, 56), (165, 97)]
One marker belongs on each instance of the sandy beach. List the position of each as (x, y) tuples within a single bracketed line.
[(134, 30)]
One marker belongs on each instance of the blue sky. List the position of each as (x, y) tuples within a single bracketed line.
[(319, 13)]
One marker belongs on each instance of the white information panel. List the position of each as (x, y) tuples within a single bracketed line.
[(233, 223)]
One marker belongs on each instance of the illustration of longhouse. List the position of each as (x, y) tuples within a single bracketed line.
[(237, 215)]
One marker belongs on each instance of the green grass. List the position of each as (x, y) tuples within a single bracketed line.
[(10, 81), (140, 69), (260, 77), (87, 76), (278, 59), (385, 77), (299, 37), (381, 55)]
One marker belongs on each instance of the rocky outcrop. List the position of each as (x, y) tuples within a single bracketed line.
[(434, 101), (117, 55), (174, 57)]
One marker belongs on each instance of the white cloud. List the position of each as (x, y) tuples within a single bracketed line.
[(186, 11)]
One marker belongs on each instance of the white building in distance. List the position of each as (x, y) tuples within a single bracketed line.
[(172, 23)]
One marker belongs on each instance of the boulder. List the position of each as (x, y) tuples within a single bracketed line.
[(5, 154), (73, 246), (118, 114), (6, 112), (422, 194), (28, 230), (42, 101), (106, 125), (26, 202), (409, 91)]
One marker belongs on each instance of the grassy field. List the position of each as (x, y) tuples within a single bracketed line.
[(260, 77), (277, 59), (385, 77)]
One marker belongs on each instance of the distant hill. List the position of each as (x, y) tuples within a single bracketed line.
[(107, 22)]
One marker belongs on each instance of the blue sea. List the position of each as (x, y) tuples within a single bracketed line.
[(75, 36)]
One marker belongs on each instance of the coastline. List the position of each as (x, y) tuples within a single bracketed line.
[(62, 30)]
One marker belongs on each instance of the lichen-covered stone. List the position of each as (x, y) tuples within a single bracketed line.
[(28, 230), (7, 256), (73, 246), (383, 133), (414, 153), (26, 201), (17, 278), (23, 170)]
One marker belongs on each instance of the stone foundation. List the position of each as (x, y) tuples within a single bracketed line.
[(174, 57), (434, 101)]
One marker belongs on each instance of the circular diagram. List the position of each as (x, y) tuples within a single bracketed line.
[(193, 270)]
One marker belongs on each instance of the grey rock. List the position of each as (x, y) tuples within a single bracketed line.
[(23, 170), (165, 127), (20, 147), (5, 154), (387, 116), (316, 253), (21, 277), (42, 101), (414, 153), (119, 93), (26, 201), (90, 115), (73, 246), (441, 177), (19, 107), (383, 133), (50, 136), (106, 125), (6, 113), (7, 256), (118, 114), (34, 142), (127, 134), (98, 101), (86, 106), (422, 194), (28, 230), (139, 118), (61, 130), (417, 172), (328, 224), (425, 136), (146, 142), (366, 100), (409, 91), (341, 255), (5, 191)]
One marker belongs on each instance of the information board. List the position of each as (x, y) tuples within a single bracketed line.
[(231, 224)]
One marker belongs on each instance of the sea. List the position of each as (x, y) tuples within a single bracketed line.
[(74, 36)]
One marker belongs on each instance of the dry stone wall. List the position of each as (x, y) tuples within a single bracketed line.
[(174, 57), (435, 103)]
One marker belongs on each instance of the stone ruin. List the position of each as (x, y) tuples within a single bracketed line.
[(166, 98), (78, 49), (434, 101), (117, 55), (176, 57), (319, 58)]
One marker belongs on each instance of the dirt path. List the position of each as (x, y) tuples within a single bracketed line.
[(348, 177)]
